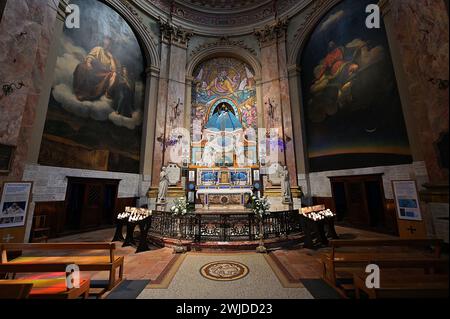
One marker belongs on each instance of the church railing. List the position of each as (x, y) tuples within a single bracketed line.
[(224, 227)]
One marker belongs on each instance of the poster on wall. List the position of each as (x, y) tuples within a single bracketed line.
[(407, 200), (14, 204)]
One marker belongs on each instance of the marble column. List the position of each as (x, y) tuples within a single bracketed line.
[(149, 124), (298, 118), (42, 108), (172, 95), (26, 31), (418, 37), (275, 91)]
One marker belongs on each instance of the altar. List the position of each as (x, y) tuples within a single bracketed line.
[(224, 187), (224, 196)]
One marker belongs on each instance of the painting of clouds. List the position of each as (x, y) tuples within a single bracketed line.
[(352, 106), (94, 119)]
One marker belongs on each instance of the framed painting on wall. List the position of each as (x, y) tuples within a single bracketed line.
[(14, 203)]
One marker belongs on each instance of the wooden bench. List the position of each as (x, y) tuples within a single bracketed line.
[(110, 263), (40, 288), (46, 288), (14, 290), (393, 285), (341, 264)]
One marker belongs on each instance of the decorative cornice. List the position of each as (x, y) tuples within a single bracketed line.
[(272, 32), (208, 22), (224, 42), (173, 34)]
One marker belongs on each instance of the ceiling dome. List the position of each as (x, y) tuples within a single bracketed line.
[(225, 17), (224, 5)]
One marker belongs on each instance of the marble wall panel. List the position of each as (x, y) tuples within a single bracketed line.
[(421, 30)]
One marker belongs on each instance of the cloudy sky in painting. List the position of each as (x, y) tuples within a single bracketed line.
[(100, 110), (332, 19), (98, 21)]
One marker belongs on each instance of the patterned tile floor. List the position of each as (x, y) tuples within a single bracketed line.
[(260, 283), (160, 266)]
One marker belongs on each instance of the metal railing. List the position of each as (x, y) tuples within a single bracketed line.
[(224, 227)]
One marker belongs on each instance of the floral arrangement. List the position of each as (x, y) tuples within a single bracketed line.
[(260, 206), (181, 207)]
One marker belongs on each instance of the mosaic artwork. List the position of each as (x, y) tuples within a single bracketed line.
[(226, 79), (94, 118), (223, 100), (354, 115), (224, 271)]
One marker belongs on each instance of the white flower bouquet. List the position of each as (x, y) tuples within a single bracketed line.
[(181, 207), (260, 206)]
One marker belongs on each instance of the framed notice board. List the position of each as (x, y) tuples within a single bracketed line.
[(14, 202), (407, 200), (409, 215)]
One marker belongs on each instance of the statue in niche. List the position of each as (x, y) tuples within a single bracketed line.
[(163, 185), (286, 185)]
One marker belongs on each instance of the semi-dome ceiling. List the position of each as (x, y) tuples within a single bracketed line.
[(229, 5), (226, 17)]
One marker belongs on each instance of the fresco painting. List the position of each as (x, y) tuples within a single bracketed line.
[(94, 118), (353, 110)]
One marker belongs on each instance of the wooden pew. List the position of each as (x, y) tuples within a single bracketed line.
[(109, 263), (15, 290), (357, 254), (405, 286), (49, 288)]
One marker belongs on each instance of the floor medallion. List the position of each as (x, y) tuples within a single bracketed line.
[(224, 271)]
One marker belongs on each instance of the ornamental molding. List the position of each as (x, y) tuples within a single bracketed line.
[(223, 42), (173, 34), (211, 23), (272, 32)]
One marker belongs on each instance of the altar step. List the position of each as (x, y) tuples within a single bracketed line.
[(212, 246)]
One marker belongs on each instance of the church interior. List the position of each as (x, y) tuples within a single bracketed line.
[(224, 149)]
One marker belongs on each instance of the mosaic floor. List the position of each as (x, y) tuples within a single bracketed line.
[(278, 274), (247, 276)]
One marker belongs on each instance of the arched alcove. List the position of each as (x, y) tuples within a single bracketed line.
[(351, 104), (97, 103)]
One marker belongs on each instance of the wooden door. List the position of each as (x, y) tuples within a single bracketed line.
[(92, 205), (356, 202)]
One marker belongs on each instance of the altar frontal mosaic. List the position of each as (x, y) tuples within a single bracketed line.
[(224, 271)]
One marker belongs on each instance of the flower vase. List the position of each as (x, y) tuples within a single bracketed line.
[(261, 248), (179, 248)]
